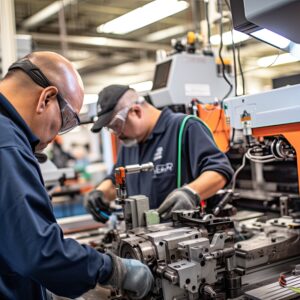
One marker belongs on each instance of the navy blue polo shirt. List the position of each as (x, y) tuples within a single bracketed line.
[(199, 154), (33, 253)]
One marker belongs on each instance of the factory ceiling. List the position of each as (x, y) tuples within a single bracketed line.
[(103, 57)]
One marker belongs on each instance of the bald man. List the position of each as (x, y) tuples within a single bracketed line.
[(41, 96)]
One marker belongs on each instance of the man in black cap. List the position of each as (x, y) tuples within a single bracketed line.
[(149, 134)]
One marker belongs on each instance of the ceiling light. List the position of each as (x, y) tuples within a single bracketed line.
[(272, 38), (143, 16), (47, 12), (238, 37), (166, 33), (295, 50), (275, 60), (142, 86)]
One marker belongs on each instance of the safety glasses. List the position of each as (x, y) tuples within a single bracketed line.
[(117, 124), (69, 117)]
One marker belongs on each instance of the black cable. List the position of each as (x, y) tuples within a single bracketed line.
[(235, 69), (220, 52), (228, 195), (233, 51), (223, 64), (208, 23), (241, 70), (232, 137)]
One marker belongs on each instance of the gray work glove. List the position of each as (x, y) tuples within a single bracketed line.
[(131, 276), (180, 199)]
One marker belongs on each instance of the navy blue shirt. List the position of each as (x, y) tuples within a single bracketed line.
[(199, 154), (33, 253)]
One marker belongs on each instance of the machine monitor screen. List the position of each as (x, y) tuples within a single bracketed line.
[(161, 75)]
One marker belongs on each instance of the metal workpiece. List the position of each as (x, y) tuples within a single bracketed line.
[(167, 273), (233, 285), (208, 222), (262, 250), (208, 290), (274, 240), (194, 249), (159, 240), (296, 271), (284, 205), (134, 209), (195, 257), (189, 275), (187, 263)]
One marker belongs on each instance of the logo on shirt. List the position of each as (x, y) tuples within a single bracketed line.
[(163, 168), (158, 153)]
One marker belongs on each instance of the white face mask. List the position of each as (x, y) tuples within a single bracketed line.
[(129, 142)]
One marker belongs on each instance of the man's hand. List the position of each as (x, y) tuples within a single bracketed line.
[(182, 198), (131, 276), (96, 204)]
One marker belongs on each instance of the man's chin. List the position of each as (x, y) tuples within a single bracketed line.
[(40, 147)]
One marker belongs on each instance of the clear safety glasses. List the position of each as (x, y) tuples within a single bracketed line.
[(69, 117), (117, 124)]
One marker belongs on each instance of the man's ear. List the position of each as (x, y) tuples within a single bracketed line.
[(47, 96)]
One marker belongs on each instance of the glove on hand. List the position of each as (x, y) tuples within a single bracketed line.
[(182, 198), (96, 204), (132, 276)]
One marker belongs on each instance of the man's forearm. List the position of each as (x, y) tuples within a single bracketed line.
[(208, 183), (108, 189)]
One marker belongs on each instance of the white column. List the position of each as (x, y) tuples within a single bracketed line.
[(8, 34)]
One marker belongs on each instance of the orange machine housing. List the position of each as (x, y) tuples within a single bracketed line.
[(214, 117), (292, 134)]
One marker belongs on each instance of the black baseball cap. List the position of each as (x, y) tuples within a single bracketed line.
[(107, 101)]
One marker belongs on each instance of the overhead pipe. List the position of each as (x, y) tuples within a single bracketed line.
[(95, 41)]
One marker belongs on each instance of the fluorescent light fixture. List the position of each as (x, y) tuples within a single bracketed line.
[(272, 38), (143, 16), (295, 50), (227, 38), (47, 12), (90, 99), (142, 86), (166, 33), (275, 60)]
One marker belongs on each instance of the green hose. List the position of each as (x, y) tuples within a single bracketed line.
[(181, 129)]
